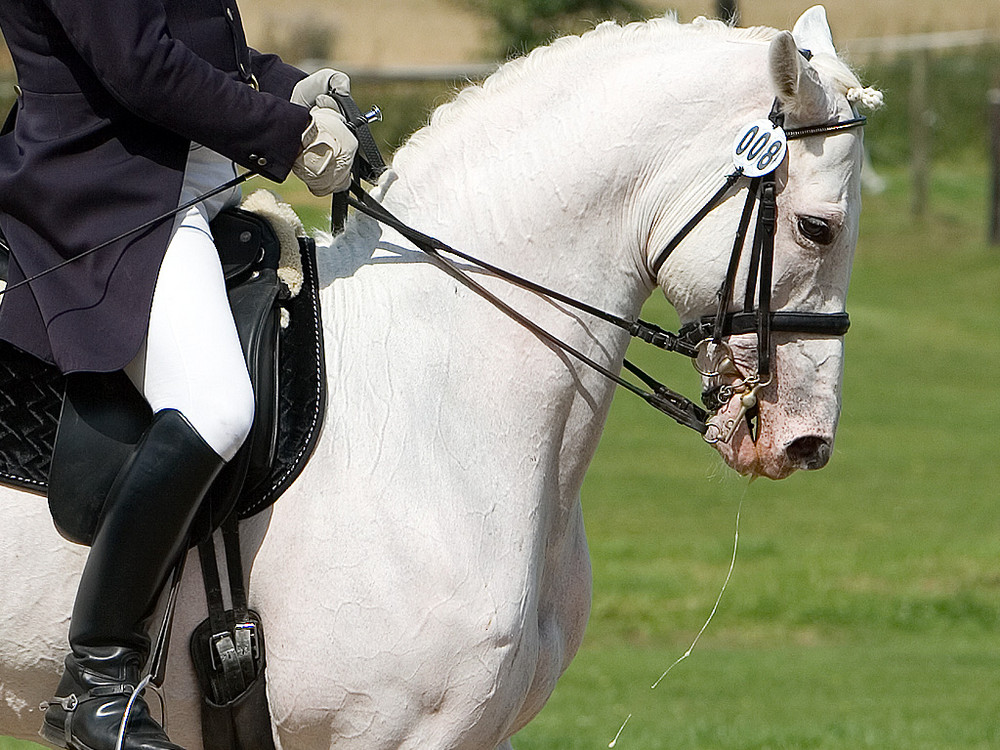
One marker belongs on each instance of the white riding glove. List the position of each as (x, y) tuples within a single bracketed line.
[(325, 81), (328, 148)]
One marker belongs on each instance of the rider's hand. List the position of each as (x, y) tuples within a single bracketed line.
[(325, 81), (328, 148)]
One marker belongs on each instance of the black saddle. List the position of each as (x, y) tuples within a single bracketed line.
[(67, 436)]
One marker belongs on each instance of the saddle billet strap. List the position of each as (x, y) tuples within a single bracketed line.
[(244, 629), (234, 566)]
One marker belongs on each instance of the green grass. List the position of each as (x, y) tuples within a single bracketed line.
[(957, 83)]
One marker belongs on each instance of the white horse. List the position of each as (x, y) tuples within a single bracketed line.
[(426, 580)]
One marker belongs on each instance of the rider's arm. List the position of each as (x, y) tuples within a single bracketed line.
[(127, 45)]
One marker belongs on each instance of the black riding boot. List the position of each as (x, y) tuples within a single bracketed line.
[(142, 533)]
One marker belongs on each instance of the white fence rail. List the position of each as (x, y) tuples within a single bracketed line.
[(940, 41)]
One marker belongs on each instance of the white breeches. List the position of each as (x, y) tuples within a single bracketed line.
[(192, 360)]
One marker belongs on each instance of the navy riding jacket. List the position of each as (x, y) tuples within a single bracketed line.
[(111, 95)]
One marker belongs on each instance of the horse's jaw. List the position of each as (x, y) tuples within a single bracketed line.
[(797, 412)]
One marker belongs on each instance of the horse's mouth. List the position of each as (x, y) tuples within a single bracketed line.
[(770, 444)]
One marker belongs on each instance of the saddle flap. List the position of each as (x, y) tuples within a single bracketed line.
[(254, 308), (103, 416)]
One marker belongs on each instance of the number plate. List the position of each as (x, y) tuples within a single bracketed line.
[(759, 148)]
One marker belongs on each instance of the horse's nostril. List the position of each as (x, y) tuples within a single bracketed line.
[(809, 452)]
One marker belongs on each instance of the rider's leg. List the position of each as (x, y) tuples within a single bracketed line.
[(140, 536), (192, 360), (193, 374)]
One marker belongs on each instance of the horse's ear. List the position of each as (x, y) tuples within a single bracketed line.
[(812, 32), (797, 85)]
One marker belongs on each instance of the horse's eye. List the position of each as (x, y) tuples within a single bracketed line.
[(816, 229)]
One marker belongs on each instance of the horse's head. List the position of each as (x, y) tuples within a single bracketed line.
[(782, 416)]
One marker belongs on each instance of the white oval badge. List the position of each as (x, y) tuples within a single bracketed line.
[(759, 148)]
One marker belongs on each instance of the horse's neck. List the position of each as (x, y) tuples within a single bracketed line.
[(437, 360), (574, 163), (531, 180), (414, 356)]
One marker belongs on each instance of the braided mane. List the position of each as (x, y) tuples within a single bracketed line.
[(610, 39)]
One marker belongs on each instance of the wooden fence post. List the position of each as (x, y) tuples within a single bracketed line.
[(993, 114)]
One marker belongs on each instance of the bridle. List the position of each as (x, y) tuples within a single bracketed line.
[(701, 340), (758, 151)]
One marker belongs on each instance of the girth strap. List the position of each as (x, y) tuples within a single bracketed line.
[(228, 653), (244, 632)]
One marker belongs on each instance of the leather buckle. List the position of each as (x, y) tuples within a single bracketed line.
[(246, 640), (221, 648)]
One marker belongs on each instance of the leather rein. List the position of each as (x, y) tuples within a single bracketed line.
[(701, 340)]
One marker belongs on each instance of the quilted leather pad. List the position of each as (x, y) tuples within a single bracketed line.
[(30, 401)]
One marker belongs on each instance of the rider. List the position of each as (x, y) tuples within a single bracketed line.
[(126, 110)]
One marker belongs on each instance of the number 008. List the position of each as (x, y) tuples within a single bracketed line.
[(753, 145)]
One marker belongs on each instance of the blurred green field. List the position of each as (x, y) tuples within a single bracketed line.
[(864, 608)]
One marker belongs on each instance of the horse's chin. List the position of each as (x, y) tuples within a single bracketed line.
[(745, 456)]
